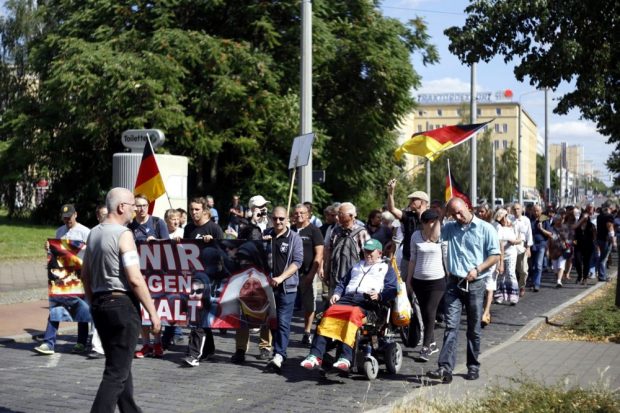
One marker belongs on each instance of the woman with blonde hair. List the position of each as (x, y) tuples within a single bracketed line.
[(507, 290)]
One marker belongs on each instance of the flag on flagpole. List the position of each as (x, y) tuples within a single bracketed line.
[(149, 181), (430, 144), (453, 190)]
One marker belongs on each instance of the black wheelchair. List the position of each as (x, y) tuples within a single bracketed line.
[(375, 345)]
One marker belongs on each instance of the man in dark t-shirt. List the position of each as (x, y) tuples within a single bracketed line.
[(201, 227), (605, 240), (313, 261)]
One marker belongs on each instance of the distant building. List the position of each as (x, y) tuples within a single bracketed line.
[(444, 109)]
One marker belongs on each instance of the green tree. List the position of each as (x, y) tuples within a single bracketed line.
[(540, 177), (221, 79), (17, 29), (556, 41)]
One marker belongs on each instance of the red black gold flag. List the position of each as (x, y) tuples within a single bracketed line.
[(149, 181), (430, 144), (453, 190)]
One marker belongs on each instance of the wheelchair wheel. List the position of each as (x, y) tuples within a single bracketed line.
[(393, 357), (371, 368)]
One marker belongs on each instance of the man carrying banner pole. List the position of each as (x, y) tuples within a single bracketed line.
[(115, 287)]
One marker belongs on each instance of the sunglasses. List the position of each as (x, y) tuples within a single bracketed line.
[(198, 291), (278, 218), (463, 285)]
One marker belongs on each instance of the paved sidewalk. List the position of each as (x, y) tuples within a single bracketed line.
[(66, 382)]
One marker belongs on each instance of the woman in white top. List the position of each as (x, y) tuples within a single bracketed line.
[(173, 222), (507, 285), (426, 275)]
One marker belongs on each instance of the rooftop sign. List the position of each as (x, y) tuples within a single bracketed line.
[(483, 97)]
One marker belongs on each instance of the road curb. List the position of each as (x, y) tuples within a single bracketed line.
[(538, 320), (462, 367)]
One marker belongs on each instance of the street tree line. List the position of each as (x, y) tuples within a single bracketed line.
[(220, 78)]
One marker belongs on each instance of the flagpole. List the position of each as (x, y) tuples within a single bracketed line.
[(419, 164), (148, 140), (449, 178)]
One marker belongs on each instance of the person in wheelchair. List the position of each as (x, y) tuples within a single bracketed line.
[(368, 286)]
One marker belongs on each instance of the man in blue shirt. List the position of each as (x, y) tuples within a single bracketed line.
[(541, 232), (473, 248)]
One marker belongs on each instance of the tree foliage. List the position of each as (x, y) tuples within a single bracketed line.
[(556, 41), (221, 78)]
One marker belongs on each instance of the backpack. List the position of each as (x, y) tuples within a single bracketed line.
[(345, 254)]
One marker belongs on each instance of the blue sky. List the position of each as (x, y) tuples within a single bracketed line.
[(450, 75)]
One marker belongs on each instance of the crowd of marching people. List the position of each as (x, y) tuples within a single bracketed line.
[(450, 255)]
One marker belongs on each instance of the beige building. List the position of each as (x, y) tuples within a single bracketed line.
[(438, 110), (574, 157)]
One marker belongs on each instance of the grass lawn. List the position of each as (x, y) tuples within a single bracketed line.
[(599, 319), (21, 240), (524, 396)]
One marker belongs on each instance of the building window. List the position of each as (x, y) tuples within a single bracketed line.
[(496, 144), (498, 111), (459, 112), (505, 127), (439, 112), (419, 128), (420, 113), (479, 112), (505, 144), (497, 129), (430, 127)]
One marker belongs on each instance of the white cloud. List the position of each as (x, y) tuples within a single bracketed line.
[(447, 84)]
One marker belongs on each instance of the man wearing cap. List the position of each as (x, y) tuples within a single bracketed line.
[(473, 248), (258, 220), (71, 230), (409, 218), (370, 281)]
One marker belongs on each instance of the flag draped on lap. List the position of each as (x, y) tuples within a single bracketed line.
[(453, 190), (149, 181), (341, 322), (430, 144)]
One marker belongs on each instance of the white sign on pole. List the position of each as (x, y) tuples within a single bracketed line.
[(300, 153)]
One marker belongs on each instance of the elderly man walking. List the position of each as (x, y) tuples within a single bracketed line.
[(473, 248), (115, 287)]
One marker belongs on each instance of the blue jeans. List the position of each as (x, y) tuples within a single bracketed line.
[(601, 263), (455, 299), (117, 320), (52, 329), (536, 267), (285, 304), (319, 346)]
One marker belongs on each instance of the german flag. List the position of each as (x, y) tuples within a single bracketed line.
[(149, 181), (430, 144), (341, 322), (453, 190)]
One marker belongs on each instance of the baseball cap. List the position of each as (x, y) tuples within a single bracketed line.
[(429, 215), (257, 201), (67, 210), (418, 195), (372, 244)]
